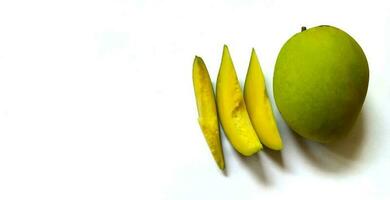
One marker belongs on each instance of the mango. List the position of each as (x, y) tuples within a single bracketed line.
[(320, 83), (232, 110), (207, 110), (259, 106)]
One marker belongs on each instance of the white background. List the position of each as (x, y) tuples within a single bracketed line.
[(97, 102)]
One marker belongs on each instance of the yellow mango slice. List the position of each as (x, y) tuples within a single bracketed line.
[(207, 111), (259, 106), (232, 110)]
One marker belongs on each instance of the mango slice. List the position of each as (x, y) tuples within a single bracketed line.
[(207, 111), (259, 106), (232, 110)]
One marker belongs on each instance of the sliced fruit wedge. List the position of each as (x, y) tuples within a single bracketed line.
[(207, 111), (232, 110), (259, 106)]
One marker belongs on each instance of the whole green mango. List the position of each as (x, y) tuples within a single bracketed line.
[(320, 82)]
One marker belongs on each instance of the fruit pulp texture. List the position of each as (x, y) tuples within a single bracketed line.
[(232, 110), (259, 106), (208, 118)]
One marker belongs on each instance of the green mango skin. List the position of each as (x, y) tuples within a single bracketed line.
[(320, 83)]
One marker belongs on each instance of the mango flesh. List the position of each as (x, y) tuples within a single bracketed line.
[(232, 110), (208, 117), (259, 107), (320, 83)]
